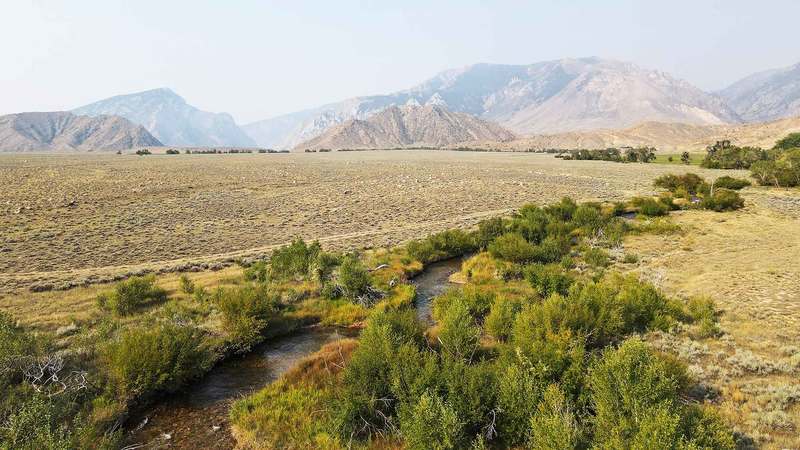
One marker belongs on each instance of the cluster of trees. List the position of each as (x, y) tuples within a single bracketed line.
[(779, 166), (784, 171), (541, 358), (694, 191), (214, 151), (723, 155), (626, 154)]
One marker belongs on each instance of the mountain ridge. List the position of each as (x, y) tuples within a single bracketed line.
[(559, 95), (64, 131), (766, 95), (408, 126), (171, 119)]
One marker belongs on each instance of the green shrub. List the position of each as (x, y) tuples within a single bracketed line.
[(258, 271), (722, 200), (370, 372), (441, 246), (589, 217), (353, 278), (141, 362), (14, 342), (200, 294), (630, 258), (701, 310), (488, 230), (293, 260), (548, 279), (602, 312), (630, 387), (477, 300), (519, 390), (187, 286), (36, 424), (323, 266), (597, 257), (501, 316), (512, 247), (246, 311), (554, 425), (650, 207), (459, 333), (690, 183), (727, 182), (563, 210), (531, 223), (431, 423), (131, 294), (414, 372), (470, 388), (648, 412)]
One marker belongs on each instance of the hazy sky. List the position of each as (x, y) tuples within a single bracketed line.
[(257, 59)]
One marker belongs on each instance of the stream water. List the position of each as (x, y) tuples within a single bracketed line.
[(432, 282), (198, 419)]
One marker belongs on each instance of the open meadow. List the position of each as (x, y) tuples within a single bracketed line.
[(73, 224), (71, 219)]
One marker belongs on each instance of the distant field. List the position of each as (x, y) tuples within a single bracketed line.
[(664, 158), (71, 218)]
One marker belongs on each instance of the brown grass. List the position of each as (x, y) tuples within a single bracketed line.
[(70, 220), (747, 261)]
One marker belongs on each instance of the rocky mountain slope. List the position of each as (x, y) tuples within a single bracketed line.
[(546, 97), (409, 126), (667, 137), (63, 131), (768, 95), (170, 119)]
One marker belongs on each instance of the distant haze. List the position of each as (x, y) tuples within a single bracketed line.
[(258, 59)]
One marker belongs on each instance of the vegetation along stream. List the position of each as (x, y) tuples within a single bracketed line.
[(199, 417)]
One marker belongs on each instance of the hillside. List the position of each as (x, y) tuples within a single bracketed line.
[(408, 126), (64, 131), (546, 97), (171, 119), (768, 95), (663, 136)]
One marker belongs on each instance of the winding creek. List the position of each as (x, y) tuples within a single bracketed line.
[(198, 418)]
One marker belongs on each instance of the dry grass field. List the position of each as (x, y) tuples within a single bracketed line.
[(747, 261), (71, 220)]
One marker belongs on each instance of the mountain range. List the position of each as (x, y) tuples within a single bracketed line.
[(64, 131), (768, 95), (172, 120), (409, 125), (546, 97)]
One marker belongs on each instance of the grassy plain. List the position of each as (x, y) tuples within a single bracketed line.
[(73, 219), (747, 261), (664, 158)]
